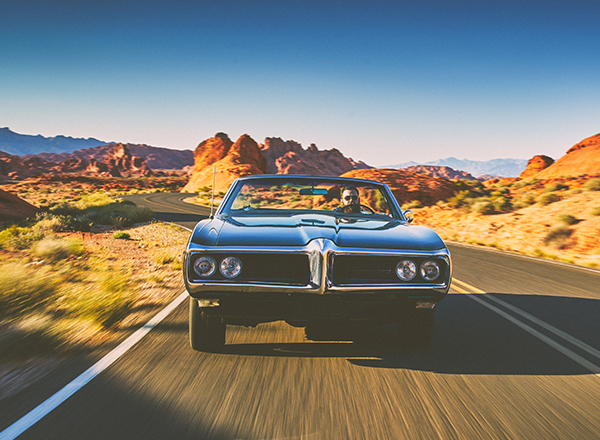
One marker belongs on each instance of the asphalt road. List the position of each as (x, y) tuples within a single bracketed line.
[(516, 354)]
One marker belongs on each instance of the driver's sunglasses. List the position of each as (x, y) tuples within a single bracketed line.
[(348, 198)]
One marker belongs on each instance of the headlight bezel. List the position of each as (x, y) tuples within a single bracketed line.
[(425, 274), (225, 266), (205, 259), (406, 263)]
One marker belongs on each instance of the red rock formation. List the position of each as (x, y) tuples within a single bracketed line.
[(13, 207), (13, 167), (157, 158), (440, 171), (118, 162), (408, 186), (121, 162), (290, 158), (582, 158), (535, 165), (240, 159)]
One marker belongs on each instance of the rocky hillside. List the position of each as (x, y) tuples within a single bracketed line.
[(289, 157), (245, 156), (156, 158), (13, 207), (408, 186), (535, 165), (440, 171), (582, 158), (117, 162)]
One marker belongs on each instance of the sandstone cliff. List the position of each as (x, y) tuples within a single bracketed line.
[(288, 157), (535, 165), (582, 158), (230, 161)]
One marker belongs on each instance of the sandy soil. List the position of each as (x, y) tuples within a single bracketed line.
[(525, 230)]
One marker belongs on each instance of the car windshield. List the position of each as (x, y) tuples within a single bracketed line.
[(349, 197)]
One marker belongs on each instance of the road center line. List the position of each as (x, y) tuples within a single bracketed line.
[(593, 368), (36, 414)]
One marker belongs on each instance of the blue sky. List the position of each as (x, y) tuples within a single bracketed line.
[(384, 82)]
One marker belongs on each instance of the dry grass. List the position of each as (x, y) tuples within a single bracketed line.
[(566, 229), (51, 307)]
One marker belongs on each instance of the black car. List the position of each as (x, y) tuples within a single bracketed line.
[(314, 252)]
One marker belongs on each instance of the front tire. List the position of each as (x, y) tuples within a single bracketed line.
[(415, 328), (207, 333)]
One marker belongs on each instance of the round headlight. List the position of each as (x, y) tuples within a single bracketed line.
[(430, 270), (230, 267), (205, 266), (406, 270)]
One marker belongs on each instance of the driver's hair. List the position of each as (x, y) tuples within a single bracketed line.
[(349, 188)]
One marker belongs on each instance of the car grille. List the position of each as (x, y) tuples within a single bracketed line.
[(366, 269), (262, 268)]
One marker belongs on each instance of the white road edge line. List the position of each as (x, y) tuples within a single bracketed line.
[(567, 337), (36, 414), (593, 368)]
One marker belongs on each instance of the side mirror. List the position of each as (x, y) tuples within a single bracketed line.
[(408, 215)]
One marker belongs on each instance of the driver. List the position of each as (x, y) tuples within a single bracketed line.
[(350, 200)]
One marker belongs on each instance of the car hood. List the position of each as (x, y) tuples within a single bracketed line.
[(299, 229)]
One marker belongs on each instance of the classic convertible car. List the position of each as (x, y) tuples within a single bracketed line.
[(315, 252)]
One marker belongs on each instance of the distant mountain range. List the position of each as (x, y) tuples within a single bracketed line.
[(21, 144), (59, 148), (494, 167)]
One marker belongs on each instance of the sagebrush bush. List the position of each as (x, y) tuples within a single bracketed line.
[(55, 249), (484, 207), (593, 185), (555, 187), (558, 236), (596, 210), (163, 257), (23, 289), (120, 235), (567, 219), (547, 198), (16, 238)]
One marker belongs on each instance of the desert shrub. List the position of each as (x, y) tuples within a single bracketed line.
[(56, 249), (555, 187), (596, 210), (94, 199), (23, 290), (502, 204), (120, 235), (110, 302), (17, 238), (500, 192), (567, 219), (547, 198), (592, 185), (484, 207), (558, 236), (163, 257), (47, 224)]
